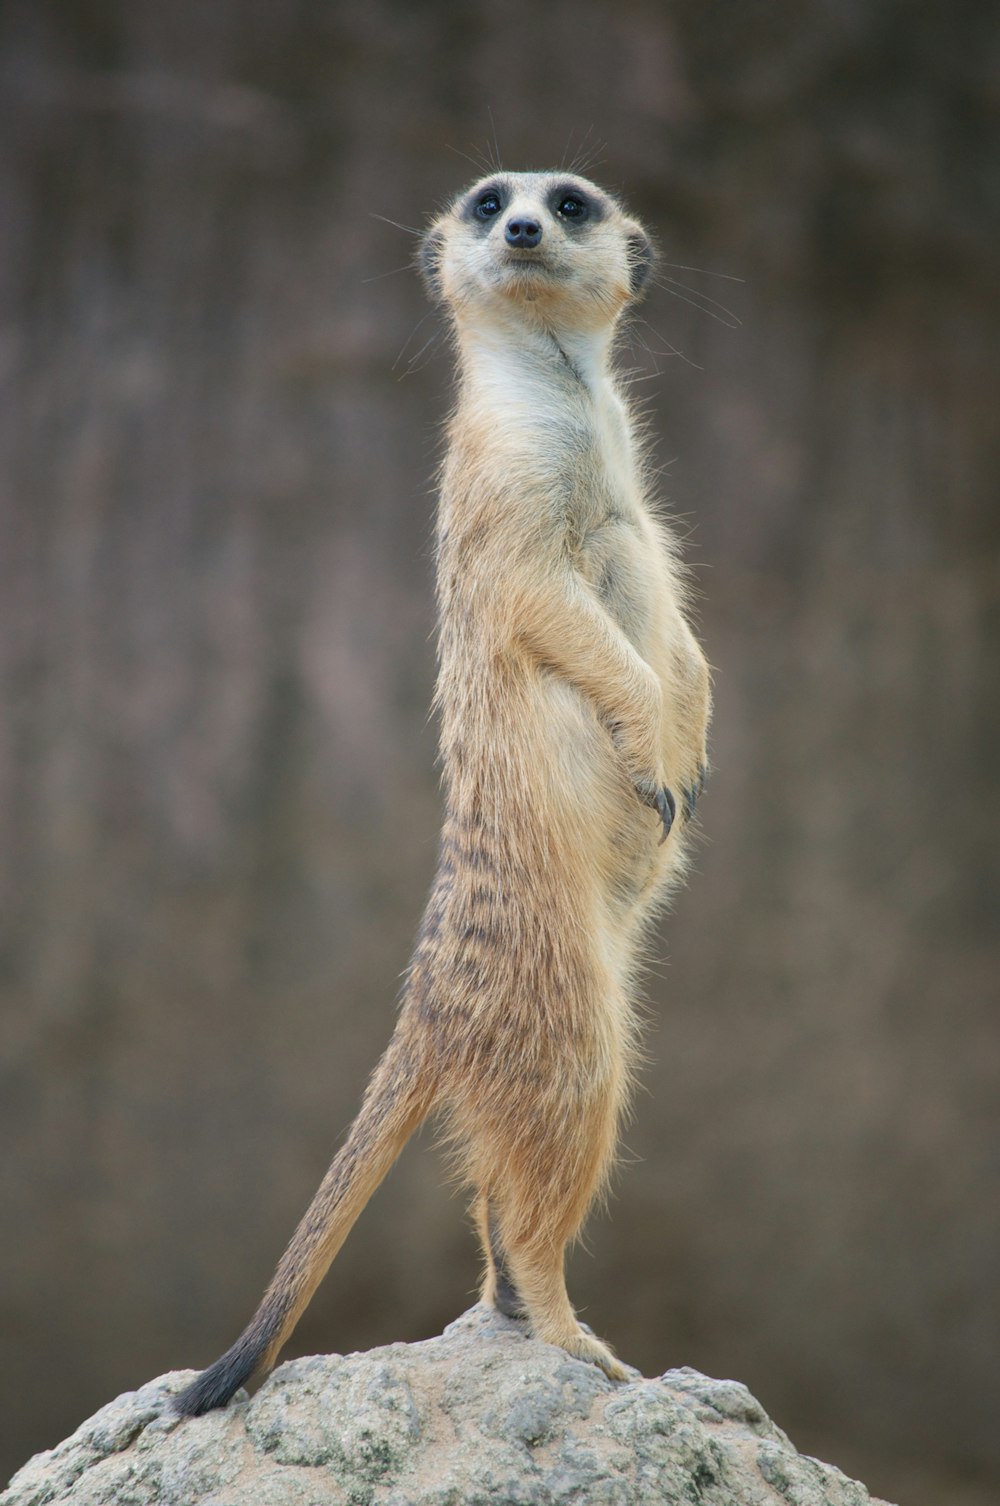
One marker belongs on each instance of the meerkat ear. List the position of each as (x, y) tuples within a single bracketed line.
[(429, 261), (641, 259)]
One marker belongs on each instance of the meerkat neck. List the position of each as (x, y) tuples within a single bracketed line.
[(518, 353)]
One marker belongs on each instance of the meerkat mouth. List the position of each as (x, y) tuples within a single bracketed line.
[(526, 264)]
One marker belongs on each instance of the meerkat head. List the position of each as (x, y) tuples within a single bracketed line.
[(551, 246)]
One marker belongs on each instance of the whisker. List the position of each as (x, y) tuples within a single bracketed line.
[(672, 350), (588, 156), (701, 271), (410, 229), (565, 153), (480, 161), (700, 301), (637, 337), (576, 163), (409, 339), (394, 272), (496, 145), (415, 364)]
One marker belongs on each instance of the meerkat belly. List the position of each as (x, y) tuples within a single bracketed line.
[(603, 836)]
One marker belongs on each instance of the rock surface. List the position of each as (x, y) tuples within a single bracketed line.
[(481, 1415)]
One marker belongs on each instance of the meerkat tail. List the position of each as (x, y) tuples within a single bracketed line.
[(398, 1099)]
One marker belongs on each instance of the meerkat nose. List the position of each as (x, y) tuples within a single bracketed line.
[(526, 233)]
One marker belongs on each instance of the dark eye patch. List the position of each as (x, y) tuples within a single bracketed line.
[(572, 207), (483, 206)]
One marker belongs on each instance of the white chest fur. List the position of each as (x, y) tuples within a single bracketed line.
[(553, 400)]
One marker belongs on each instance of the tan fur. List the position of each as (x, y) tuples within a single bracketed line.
[(571, 694)]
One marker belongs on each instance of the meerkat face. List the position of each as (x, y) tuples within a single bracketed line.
[(551, 245)]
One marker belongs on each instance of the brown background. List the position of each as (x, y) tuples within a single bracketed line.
[(218, 805)]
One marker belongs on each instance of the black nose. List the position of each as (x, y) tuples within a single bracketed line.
[(525, 233)]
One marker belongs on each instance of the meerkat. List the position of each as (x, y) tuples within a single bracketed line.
[(573, 701)]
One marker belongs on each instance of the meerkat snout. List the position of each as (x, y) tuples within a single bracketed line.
[(523, 233)]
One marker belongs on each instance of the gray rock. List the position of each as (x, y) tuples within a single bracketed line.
[(482, 1416)]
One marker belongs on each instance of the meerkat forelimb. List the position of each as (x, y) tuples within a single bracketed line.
[(573, 701)]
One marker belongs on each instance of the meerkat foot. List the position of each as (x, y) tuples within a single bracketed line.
[(586, 1346)]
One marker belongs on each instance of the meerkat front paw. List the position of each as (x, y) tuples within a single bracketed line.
[(660, 799)]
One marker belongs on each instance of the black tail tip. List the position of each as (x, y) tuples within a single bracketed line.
[(217, 1385)]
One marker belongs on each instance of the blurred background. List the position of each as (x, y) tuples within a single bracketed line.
[(221, 410)]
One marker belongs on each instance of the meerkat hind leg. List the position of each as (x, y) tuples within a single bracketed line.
[(537, 1267), (531, 1234), (498, 1289)]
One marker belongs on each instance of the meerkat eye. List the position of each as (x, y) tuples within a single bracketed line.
[(488, 206), (571, 207)]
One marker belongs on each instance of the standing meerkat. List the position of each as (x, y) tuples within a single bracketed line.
[(573, 702)]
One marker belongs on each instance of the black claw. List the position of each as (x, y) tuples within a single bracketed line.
[(661, 800), (666, 808), (692, 795)]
